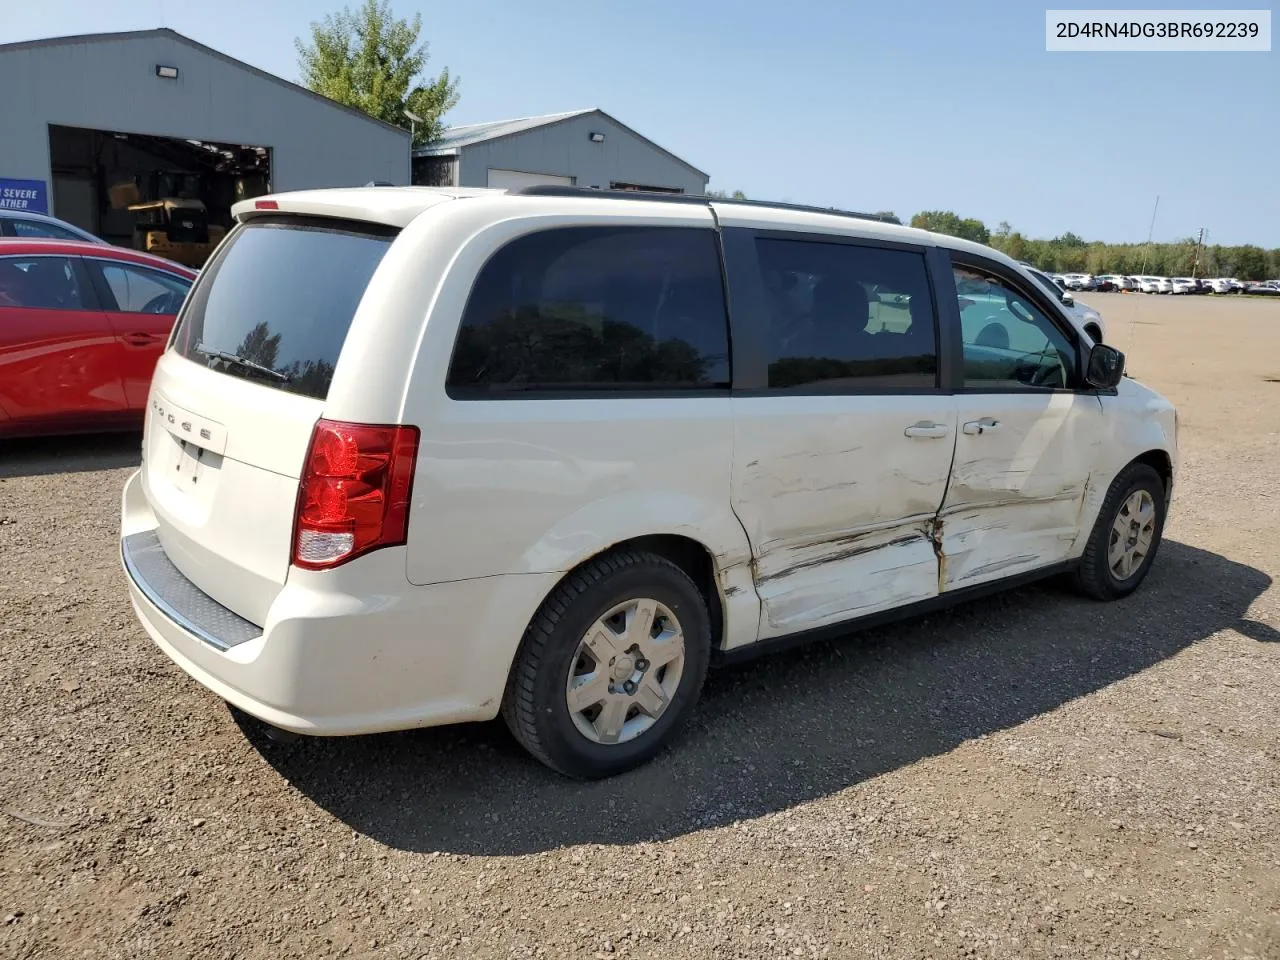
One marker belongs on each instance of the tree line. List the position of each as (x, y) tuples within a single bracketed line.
[(1070, 253)]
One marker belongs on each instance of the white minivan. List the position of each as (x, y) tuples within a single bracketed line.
[(417, 456)]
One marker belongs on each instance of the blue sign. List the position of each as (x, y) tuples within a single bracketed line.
[(29, 195)]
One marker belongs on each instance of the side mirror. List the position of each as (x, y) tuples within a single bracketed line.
[(1105, 367), (1067, 299)]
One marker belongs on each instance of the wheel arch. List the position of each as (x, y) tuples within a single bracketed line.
[(1156, 457), (700, 534), (1160, 461), (697, 561), (692, 556)]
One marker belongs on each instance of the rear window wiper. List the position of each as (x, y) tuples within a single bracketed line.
[(240, 361)]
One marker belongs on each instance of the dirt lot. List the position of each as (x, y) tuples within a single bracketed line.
[(1033, 776)]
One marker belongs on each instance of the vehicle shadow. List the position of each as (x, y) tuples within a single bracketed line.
[(1261, 632), (780, 730), (42, 456)]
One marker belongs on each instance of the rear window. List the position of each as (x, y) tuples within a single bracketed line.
[(275, 305)]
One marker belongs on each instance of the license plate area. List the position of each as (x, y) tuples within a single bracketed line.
[(191, 465)]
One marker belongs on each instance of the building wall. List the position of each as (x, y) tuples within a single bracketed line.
[(111, 85), (563, 149)]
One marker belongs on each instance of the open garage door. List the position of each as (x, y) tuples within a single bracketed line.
[(515, 179), (169, 195)]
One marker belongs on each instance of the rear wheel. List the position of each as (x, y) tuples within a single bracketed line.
[(1125, 537), (610, 667)]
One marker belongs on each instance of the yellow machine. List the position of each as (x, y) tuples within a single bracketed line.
[(177, 229)]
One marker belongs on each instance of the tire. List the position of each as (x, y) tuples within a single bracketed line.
[(1095, 576), (536, 703)]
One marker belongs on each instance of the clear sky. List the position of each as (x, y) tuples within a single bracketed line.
[(902, 106)]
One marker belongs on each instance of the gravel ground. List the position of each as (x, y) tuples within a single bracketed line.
[(1030, 776)]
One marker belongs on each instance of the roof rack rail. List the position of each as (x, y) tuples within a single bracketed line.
[(556, 190)]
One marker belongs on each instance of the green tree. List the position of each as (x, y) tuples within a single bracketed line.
[(944, 221), (1073, 259), (260, 345), (888, 216), (1250, 263), (370, 60), (721, 195)]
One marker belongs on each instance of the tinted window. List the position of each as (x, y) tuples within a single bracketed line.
[(46, 283), (38, 229), (1008, 340), (847, 316), (139, 290), (596, 308), (1048, 284), (281, 295)]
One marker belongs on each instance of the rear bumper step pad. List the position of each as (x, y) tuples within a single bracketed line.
[(178, 598)]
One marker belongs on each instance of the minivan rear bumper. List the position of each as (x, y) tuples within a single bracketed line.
[(353, 650)]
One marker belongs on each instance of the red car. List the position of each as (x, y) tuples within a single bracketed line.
[(81, 328)]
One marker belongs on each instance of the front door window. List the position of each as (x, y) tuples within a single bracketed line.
[(1008, 340)]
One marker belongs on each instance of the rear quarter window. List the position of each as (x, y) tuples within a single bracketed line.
[(594, 310), (280, 296)]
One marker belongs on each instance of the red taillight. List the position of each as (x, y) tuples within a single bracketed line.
[(265, 205), (354, 493)]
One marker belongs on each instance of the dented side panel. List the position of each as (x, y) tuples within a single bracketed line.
[(838, 503), (1015, 499), (886, 568)]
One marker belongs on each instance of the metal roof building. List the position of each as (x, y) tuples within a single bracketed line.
[(586, 148), (94, 123)]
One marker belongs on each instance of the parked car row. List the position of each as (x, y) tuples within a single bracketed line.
[(1116, 283), (1265, 288)]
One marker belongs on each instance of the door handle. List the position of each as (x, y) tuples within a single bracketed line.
[(985, 425), (926, 429), (140, 339)]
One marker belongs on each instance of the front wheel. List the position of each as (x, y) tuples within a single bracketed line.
[(610, 667), (1125, 537)]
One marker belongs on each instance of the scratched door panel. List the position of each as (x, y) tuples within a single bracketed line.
[(1016, 492), (838, 503)]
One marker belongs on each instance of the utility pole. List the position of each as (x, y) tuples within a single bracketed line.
[(1195, 260), (1150, 234), (414, 120)]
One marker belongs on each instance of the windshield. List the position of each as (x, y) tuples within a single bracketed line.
[(276, 304)]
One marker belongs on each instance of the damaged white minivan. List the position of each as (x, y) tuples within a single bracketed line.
[(417, 456)]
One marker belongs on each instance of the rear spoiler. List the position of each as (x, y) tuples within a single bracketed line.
[(387, 205)]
